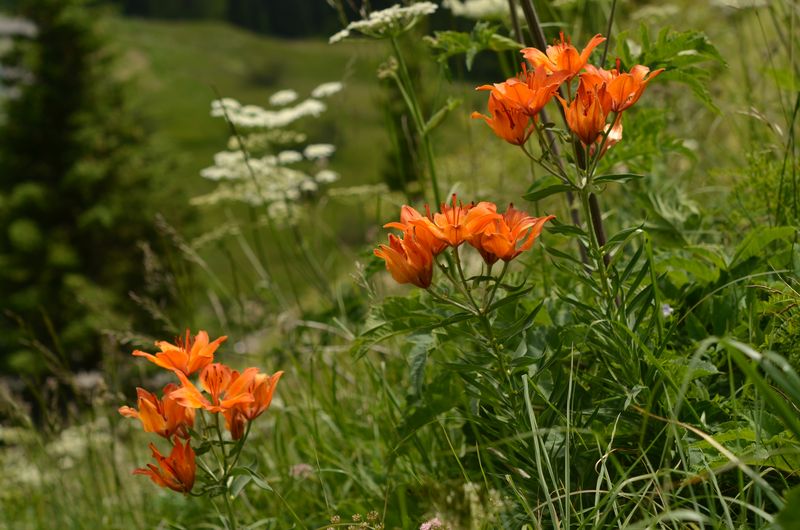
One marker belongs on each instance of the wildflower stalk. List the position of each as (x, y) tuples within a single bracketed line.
[(463, 278), (270, 221), (594, 241), (412, 102), (499, 279), (229, 509), (608, 32)]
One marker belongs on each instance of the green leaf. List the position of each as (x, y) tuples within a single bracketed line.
[(756, 240), (620, 239), (254, 475), (618, 177), (484, 36), (537, 195), (685, 56), (423, 345), (238, 484), (439, 116), (565, 229), (509, 299), (789, 517)]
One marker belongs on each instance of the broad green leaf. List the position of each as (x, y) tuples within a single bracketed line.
[(484, 36), (538, 195), (789, 517), (756, 240), (441, 114), (423, 344), (618, 177)]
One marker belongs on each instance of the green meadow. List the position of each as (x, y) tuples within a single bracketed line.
[(596, 327)]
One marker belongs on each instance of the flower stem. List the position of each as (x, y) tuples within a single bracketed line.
[(224, 478), (229, 509), (412, 102), (494, 289), (585, 198)]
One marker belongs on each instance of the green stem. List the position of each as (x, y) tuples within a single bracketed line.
[(221, 446), (487, 326), (447, 300), (229, 508), (224, 478), (593, 241), (410, 97), (463, 278), (457, 284), (494, 289)]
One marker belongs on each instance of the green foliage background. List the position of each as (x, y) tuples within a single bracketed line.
[(670, 404)]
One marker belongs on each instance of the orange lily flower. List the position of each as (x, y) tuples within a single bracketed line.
[(512, 123), (176, 471), (562, 57), (622, 89), (627, 88), (187, 356), (424, 236), (509, 236), (165, 417), (262, 387), (455, 223), (528, 93), (586, 116), (227, 388), (409, 260)]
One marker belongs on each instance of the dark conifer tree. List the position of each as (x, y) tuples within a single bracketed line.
[(74, 193)]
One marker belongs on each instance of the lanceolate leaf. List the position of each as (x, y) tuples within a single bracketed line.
[(538, 195)]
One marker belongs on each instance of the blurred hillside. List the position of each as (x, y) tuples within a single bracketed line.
[(178, 66)]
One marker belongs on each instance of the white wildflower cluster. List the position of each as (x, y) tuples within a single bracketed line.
[(253, 116), (260, 141), (327, 89), (389, 22), (318, 151), (232, 165), (478, 9), (283, 97), (278, 171), (17, 27), (68, 450)]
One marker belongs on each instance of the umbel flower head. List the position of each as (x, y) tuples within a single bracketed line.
[(389, 22), (176, 471), (187, 356)]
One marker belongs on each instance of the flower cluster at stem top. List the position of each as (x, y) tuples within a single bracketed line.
[(386, 23), (495, 236), (238, 397), (601, 94)]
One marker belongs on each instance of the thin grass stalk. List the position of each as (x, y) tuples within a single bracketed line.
[(608, 33), (410, 97), (270, 221), (790, 146), (538, 448)]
